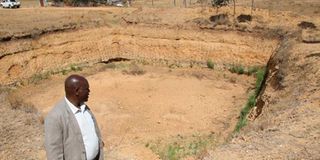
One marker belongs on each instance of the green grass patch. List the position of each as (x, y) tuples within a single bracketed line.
[(251, 102), (260, 76), (210, 64), (36, 78), (179, 147), (239, 69)]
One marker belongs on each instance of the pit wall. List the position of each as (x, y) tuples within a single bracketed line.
[(54, 53)]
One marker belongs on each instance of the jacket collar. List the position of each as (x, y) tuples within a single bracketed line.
[(75, 109)]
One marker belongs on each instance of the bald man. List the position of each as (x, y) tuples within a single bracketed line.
[(71, 130)]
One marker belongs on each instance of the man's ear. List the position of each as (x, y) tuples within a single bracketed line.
[(77, 91)]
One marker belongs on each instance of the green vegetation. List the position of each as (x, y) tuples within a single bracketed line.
[(210, 64), (260, 76), (75, 68), (36, 78), (252, 70), (180, 147), (251, 100), (71, 68), (239, 69)]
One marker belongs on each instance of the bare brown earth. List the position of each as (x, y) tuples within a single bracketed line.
[(288, 127), (165, 90)]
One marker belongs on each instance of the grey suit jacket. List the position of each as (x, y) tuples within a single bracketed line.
[(63, 139)]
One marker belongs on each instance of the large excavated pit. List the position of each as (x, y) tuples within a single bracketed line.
[(162, 90), (159, 85)]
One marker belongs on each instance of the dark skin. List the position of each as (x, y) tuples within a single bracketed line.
[(77, 90)]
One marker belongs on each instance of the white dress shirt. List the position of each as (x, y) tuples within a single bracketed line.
[(88, 131)]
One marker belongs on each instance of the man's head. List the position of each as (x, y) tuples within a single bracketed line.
[(77, 89)]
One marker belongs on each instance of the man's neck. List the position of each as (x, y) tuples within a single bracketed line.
[(74, 102)]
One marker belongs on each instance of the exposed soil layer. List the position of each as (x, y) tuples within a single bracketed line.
[(58, 51)]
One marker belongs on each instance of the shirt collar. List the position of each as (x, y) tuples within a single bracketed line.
[(73, 108)]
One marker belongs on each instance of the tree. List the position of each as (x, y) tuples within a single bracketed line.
[(219, 3)]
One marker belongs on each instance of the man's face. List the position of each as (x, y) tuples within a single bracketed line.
[(83, 92)]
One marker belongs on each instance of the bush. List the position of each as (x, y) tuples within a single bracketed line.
[(210, 64), (219, 3), (239, 69), (252, 70)]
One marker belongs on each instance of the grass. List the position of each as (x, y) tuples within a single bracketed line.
[(134, 70), (239, 69), (36, 78), (251, 102), (210, 64), (71, 68), (16, 103), (180, 147), (252, 70)]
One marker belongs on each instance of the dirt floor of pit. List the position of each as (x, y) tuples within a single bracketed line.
[(133, 110)]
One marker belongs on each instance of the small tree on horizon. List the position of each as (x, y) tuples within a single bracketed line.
[(219, 3)]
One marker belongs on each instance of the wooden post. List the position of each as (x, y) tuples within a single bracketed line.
[(252, 2), (234, 8), (41, 3)]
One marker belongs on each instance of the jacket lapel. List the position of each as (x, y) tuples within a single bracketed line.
[(73, 123)]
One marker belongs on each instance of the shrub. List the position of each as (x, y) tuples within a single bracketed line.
[(38, 77), (239, 69), (219, 3), (75, 68), (210, 64), (251, 70)]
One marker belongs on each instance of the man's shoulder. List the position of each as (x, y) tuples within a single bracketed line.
[(58, 110)]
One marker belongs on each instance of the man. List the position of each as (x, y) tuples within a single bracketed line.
[(71, 130)]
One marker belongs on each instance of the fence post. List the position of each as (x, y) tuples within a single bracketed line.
[(252, 6)]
